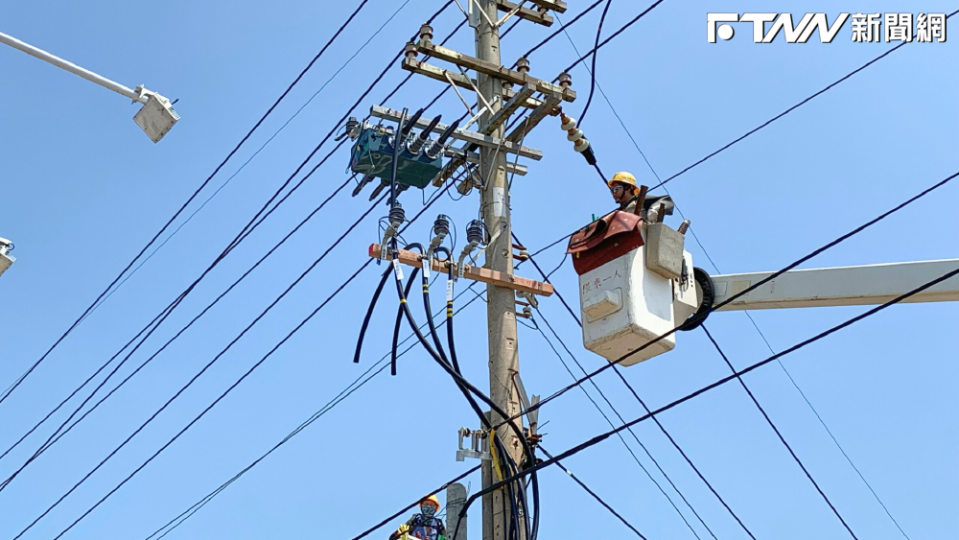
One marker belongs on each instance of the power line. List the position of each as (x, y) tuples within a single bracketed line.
[(754, 286), (622, 29), (209, 364), (655, 420), (592, 71), (619, 435), (789, 110), (164, 314), (779, 434), (594, 495), (176, 214), (234, 385), (746, 313), (367, 532), (599, 438), (360, 381), (58, 434), (260, 149)]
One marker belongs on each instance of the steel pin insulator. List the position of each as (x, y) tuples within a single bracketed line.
[(565, 80), (426, 34), (522, 65), (410, 51)]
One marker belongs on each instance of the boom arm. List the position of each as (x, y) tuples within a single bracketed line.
[(842, 286)]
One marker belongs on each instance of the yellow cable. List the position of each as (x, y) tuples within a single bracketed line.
[(492, 452)]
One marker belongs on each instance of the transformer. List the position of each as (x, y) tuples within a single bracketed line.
[(372, 156)]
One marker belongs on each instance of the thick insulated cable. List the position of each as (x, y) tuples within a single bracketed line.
[(456, 376)]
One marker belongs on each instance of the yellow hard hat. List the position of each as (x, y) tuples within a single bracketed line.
[(433, 499), (623, 177)]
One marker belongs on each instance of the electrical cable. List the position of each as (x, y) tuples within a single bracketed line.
[(246, 231), (162, 316), (563, 27), (787, 111), (189, 200), (594, 495), (622, 29), (592, 83), (500, 447), (461, 381), (260, 362), (661, 427), (201, 372), (58, 434), (754, 286), (407, 508), (778, 433), (466, 387), (399, 321), (260, 149), (756, 327), (710, 259), (358, 383), (369, 315), (620, 436), (603, 436)]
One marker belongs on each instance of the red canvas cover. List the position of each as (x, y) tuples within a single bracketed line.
[(603, 240)]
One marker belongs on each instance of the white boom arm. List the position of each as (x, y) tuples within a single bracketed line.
[(155, 118), (842, 286)]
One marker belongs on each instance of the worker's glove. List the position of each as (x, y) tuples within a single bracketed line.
[(403, 530)]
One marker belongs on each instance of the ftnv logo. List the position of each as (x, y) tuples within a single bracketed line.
[(781, 22)]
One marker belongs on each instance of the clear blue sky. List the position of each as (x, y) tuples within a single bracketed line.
[(83, 190)]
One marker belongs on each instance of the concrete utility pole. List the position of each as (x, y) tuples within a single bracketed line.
[(455, 499), (500, 309), (498, 99)]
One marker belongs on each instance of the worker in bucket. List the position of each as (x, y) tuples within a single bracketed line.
[(425, 525), (626, 193), (624, 190)]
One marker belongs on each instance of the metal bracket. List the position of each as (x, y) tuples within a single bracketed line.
[(532, 415), (533, 301), (509, 108), (471, 137), (479, 445), (553, 5), (473, 157), (540, 16), (439, 74), (539, 113), (493, 70)]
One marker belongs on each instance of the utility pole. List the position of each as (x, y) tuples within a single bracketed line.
[(501, 92), (500, 307)]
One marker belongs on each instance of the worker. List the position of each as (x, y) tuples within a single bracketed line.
[(624, 190), (424, 525), (626, 193)]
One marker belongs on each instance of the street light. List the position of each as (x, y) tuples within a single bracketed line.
[(155, 118), (6, 260)]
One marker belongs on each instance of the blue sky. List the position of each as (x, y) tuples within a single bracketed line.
[(84, 190)]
